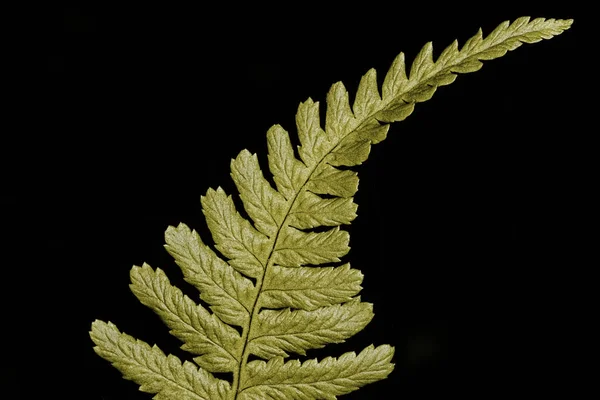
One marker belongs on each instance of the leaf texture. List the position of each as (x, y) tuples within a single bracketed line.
[(311, 211), (152, 370), (229, 293), (264, 205), (305, 248), (288, 172), (281, 331), (246, 248), (273, 284), (202, 332), (309, 288), (327, 379)]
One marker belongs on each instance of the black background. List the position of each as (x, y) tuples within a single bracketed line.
[(130, 113)]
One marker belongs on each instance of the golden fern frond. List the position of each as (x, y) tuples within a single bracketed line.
[(279, 277)]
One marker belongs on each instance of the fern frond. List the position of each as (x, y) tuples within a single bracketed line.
[(297, 248), (266, 206), (246, 248), (326, 379), (229, 293), (275, 280), (278, 332), (309, 288), (204, 334), (152, 370)]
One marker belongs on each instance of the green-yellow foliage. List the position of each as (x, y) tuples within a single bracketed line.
[(295, 304)]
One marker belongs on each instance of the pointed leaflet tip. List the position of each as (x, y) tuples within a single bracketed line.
[(519, 22), (339, 116), (497, 32), (422, 63), (448, 54), (472, 43), (313, 141), (395, 79), (367, 96)]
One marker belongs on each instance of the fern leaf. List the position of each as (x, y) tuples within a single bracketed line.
[(367, 96), (299, 248), (288, 172), (202, 332), (246, 248), (395, 79), (311, 211), (152, 370), (422, 64), (314, 143), (275, 279), (350, 153), (229, 293), (334, 182), (339, 117), (264, 205), (280, 331), (327, 379), (309, 288)]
